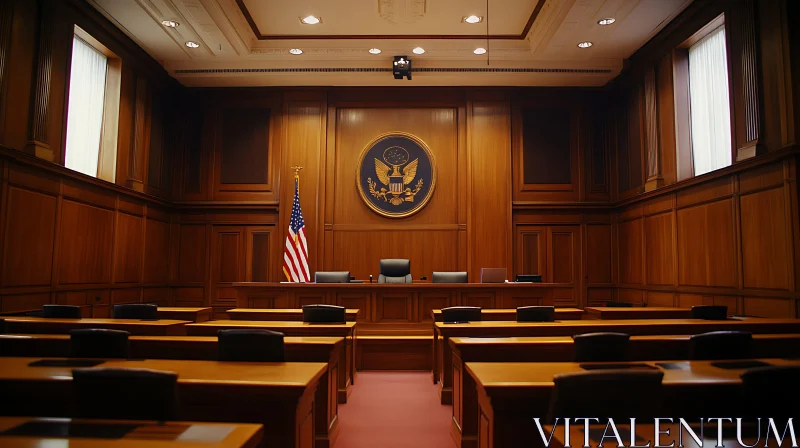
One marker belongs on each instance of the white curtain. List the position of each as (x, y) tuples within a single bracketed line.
[(710, 109), (87, 85)]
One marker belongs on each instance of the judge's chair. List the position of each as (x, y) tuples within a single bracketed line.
[(332, 277), (395, 270)]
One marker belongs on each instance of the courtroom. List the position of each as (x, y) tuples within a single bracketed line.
[(399, 223)]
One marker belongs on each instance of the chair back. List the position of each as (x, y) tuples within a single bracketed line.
[(61, 311), (332, 277), (395, 270), (536, 314), (99, 343), (710, 312), (461, 314), (245, 345), (324, 314), (619, 305), (720, 345), (129, 394), (601, 347), (449, 277), (617, 394), (136, 311), (771, 392)]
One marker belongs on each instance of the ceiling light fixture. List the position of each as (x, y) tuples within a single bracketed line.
[(310, 20), (375, 50), (585, 44), (296, 51), (472, 19), (480, 51), (606, 21), (170, 23), (418, 50), (192, 44)]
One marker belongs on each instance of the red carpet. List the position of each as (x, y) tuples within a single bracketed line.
[(394, 410)]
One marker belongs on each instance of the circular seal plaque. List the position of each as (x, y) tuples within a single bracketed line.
[(396, 175)]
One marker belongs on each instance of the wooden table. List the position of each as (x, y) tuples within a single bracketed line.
[(329, 350), (147, 434), (510, 395), (561, 349), (442, 357), (280, 396), (134, 326), (511, 314), (293, 328), (278, 314), (648, 312), (202, 314)]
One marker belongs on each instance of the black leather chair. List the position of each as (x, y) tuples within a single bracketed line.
[(461, 314), (332, 277), (619, 305), (601, 347), (536, 314), (720, 345), (135, 394), (395, 270), (99, 343), (710, 312), (617, 394), (61, 311), (449, 277), (244, 345), (324, 314), (771, 392), (136, 311)]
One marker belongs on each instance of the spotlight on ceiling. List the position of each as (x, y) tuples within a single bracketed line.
[(472, 19), (480, 50), (170, 23), (585, 44), (606, 21), (310, 20), (295, 51), (375, 51), (401, 67), (192, 44), (418, 50)]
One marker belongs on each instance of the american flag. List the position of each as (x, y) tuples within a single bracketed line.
[(295, 254)]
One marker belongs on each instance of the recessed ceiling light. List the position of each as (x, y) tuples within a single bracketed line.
[(310, 20), (296, 51), (192, 44), (170, 23), (585, 44), (472, 19), (606, 21), (418, 50), (375, 50), (480, 51)]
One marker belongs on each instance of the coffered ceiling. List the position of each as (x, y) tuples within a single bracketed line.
[(530, 42)]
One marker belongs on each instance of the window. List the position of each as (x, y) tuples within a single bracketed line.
[(710, 108), (93, 107)]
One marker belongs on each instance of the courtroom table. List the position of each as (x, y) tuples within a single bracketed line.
[(669, 437), (292, 328), (295, 314), (511, 314), (400, 309), (201, 314), (296, 349), (280, 396), (511, 395), (561, 349), (27, 432), (144, 327), (647, 312), (442, 356)]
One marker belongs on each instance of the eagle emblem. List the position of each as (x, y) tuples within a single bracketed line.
[(396, 173)]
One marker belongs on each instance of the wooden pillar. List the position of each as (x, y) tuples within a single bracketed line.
[(137, 157), (652, 147), (746, 81), (38, 135)]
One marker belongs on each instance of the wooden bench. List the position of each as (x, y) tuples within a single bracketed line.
[(649, 312), (278, 314), (36, 432), (280, 396), (442, 357), (161, 327), (183, 313), (511, 314), (561, 349), (297, 349), (510, 395)]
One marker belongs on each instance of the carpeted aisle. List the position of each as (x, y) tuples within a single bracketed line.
[(394, 410)]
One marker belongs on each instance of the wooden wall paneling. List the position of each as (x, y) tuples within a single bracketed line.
[(564, 254), (159, 296), (656, 298), (156, 252), (600, 143), (18, 73), (6, 20), (721, 244), (765, 240), (394, 307), (361, 301), (128, 244), (140, 145), (161, 145), (39, 138), (651, 134), (433, 300), (463, 185), (744, 71), (691, 246), (198, 140), (598, 254), (192, 254), (630, 251), (85, 244), (489, 158), (28, 236), (659, 259), (531, 251), (260, 243), (24, 302), (227, 266), (665, 91), (131, 295)]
